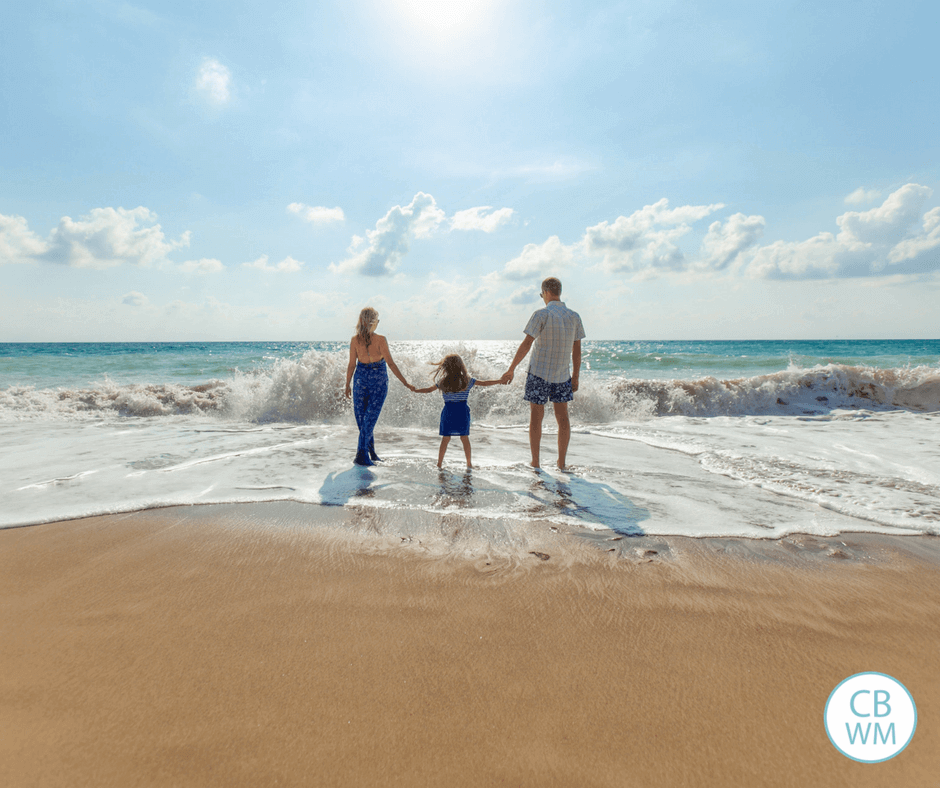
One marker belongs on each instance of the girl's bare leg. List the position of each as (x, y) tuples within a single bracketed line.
[(440, 457), (465, 440)]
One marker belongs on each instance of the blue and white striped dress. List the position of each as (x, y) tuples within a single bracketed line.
[(455, 418)]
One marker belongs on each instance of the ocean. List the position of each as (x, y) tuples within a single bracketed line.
[(753, 439)]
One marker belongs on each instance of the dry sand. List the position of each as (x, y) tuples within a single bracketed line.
[(236, 646)]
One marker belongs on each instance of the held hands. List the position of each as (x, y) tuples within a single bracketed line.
[(506, 378), (410, 386)]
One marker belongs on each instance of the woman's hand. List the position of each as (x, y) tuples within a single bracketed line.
[(411, 386), (347, 393)]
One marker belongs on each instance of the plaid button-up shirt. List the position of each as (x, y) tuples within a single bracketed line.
[(555, 328)]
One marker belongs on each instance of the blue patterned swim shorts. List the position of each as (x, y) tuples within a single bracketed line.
[(538, 391)]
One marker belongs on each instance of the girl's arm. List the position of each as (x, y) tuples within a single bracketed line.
[(351, 366), (427, 390), (489, 382), (393, 366)]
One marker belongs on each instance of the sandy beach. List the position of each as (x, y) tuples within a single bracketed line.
[(257, 645)]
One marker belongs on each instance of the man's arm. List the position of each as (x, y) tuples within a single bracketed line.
[(521, 353), (575, 364)]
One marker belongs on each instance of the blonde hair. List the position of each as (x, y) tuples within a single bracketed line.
[(365, 326), (451, 374)]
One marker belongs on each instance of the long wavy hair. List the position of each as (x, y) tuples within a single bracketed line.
[(451, 374), (365, 326)]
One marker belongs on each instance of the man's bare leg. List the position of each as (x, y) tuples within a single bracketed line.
[(564, 432), (536, 413)]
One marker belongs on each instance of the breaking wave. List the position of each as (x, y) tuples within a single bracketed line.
[(793, 391), (310, 390)]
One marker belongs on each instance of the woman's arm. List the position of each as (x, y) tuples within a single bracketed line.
[(387, 355), (489, 382), (351, 366), (427, 390)]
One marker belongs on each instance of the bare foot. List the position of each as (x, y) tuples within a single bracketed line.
[(535, 465)]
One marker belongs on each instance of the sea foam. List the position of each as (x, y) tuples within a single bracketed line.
[(309, 389)]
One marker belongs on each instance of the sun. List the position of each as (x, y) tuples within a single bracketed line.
[(444, 19)]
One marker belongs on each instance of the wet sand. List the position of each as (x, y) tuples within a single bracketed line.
[(303, 645)]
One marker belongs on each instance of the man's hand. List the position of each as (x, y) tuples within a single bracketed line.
[(520, 354), (574, 384)]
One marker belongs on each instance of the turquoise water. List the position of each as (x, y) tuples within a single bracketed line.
[(50, 365), (746, 358)]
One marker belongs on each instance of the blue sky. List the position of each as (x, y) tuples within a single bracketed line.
[(199, 171)]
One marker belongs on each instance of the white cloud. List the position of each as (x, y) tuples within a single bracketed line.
[(921, 244), (203, 266), (287, 266), (134, 298), (316, 214), (524, 295), (861, 196), (105, 238), (215, 81), (19, 244), (888, 223), (478, 219), (540, 260), (389, 241), (813, 258), (867, 244), (646, 239), (724, 243), (108, 237)]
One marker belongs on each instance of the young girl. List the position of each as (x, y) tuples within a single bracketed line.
[(452, 379)]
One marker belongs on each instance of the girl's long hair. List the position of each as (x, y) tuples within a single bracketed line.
[(451, 374), (368, 318)]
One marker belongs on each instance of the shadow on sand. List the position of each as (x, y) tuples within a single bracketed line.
[(455, 491), (339, 488), (592, 502)]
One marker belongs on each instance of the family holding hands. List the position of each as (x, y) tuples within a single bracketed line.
[(556, 333)]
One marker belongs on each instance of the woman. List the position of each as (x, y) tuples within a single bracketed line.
[(368, 356)]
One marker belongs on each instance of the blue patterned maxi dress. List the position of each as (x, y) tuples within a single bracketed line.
[(370, 387)]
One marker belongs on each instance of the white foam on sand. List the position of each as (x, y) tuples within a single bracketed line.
[(760, 476)]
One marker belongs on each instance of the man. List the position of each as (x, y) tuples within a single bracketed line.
[(556, 332)]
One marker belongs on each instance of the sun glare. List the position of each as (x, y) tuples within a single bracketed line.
[(444, 19)]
